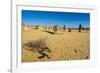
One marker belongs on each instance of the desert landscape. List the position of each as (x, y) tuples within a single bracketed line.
[(41, 43), (55, 36)]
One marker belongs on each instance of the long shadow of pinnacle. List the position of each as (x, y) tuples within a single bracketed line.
[(49, 32)]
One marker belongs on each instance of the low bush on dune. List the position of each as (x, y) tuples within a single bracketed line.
[(39, 45)]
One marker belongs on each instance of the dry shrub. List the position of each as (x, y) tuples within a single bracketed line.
[(55, 28), (36, 27), (64, 27), (79, 28), (40, 45), (69, 30)]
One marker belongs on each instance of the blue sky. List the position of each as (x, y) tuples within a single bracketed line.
[(48, 18)]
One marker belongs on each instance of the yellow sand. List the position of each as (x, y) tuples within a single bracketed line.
[(64, 46)]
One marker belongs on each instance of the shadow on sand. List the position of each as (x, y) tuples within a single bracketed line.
[(50, 32)]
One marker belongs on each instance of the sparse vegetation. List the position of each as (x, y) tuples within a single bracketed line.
[(40, 46), (55, 28), (69, 30), (83, 28), (80, 28), (64, 27), (36, 27), (55, 47)]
